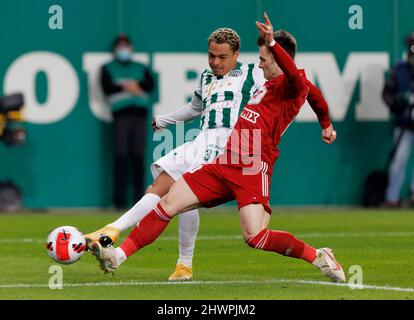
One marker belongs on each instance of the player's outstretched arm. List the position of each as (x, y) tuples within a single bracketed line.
[(282, 58), (186, 113), (318, 104), (320, 107)]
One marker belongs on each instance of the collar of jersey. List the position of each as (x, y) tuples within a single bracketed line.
[(276, 80), (237, 67), (281, 76)]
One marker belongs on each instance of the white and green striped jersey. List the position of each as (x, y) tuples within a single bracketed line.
[(221, 98)]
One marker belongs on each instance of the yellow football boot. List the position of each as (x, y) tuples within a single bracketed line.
[(181, 273), (105, 236)]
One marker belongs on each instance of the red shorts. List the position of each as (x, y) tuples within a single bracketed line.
[(214, 184)]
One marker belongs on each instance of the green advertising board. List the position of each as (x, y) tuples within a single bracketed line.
[(67, 159)]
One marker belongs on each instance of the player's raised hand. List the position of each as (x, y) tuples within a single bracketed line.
[(329, 135), (265, 29)]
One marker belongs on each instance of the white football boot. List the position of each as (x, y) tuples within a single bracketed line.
[(107, 257), (325, 261)]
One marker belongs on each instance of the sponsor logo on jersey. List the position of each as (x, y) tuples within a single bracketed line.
[(249, 115), (235, 73), (258, 96)]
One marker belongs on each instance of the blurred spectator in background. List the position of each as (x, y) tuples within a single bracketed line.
[(398, 94), (127, 85)]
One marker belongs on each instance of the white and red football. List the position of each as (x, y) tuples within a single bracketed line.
[(65, 245)]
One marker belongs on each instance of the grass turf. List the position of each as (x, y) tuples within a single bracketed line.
[(224, 267)]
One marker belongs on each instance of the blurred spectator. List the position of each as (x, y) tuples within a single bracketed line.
[(127, 85), (398, 94)]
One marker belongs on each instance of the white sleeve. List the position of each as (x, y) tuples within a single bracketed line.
[(188, 112), (184, 113), (196, 105), (258, 77)]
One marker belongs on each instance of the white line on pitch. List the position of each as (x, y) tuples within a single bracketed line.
[(164, 283), (238, 237)]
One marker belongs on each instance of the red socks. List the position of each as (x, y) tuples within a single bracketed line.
[(148, 229), (283, 243), (155, 222)]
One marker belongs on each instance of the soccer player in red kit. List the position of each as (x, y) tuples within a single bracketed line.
[(243, 172)]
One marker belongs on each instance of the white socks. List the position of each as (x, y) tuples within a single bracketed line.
[(120, 256), (137, 212), (188, 229)]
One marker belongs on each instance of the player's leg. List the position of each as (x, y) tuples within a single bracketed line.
[(253, 219), (111, 232), (203, 185), (187, 234), (180, 198), (208, 145), (166, 171), (254, 222), (152, 196)]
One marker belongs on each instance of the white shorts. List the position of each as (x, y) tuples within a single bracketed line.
[(204, 148)]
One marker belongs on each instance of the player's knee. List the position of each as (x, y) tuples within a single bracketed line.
[(161, 185), (156, 189), (247, 236), (168, 205), (151, 189), (256, 241)]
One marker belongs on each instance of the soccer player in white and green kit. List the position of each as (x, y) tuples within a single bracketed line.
[(218, 100)]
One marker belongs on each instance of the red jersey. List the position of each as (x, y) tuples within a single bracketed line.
[(269, 113), (244, 171)]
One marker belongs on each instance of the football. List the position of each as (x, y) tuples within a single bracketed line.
[(65, 245)]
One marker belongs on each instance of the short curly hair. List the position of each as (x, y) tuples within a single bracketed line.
[(225, 35)]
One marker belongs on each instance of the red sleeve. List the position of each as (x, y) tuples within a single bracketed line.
[(296, 83), (318, 105)]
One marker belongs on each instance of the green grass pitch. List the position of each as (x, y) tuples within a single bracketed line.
[(380, 242)]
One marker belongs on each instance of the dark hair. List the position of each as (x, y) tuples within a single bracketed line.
[(284, 39), (121, 38)]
